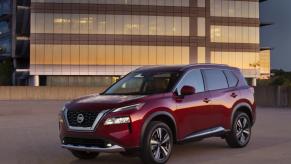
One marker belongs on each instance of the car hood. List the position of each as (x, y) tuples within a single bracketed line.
[(102, 102)]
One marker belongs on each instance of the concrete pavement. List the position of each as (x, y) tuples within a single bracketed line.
[(29, 135)]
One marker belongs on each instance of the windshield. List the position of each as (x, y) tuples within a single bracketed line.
[(144, 83)]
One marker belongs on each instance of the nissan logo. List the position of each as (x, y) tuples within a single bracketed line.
[(80, 118)]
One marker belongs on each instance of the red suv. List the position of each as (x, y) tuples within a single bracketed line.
[(151, 108)]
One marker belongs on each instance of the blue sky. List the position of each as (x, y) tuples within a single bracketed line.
[(277, 36)]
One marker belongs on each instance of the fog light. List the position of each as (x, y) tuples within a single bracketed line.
[(117, 120), (109, 145)]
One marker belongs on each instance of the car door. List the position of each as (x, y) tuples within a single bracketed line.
[(192, 110), (221, 96)]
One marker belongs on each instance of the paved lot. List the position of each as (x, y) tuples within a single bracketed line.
[(29, 134)]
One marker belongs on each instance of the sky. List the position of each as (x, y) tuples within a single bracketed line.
[(278, 35)]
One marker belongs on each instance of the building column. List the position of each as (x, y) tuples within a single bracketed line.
[(254, 82), (36, 80)]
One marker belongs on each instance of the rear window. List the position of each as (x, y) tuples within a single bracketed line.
[(231, 78), (215, 79)]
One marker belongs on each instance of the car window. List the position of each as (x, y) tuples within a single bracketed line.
[(231, 78), (192, 78), (214, 79)]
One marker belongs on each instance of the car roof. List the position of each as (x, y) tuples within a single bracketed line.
[(183, 68)]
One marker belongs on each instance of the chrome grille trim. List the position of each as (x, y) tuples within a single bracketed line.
[(92, 128)]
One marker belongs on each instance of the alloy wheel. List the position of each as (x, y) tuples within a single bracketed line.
[(243, 130), (160, 144)]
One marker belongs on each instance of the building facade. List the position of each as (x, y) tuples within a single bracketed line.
[(14, 38), (94, 42)]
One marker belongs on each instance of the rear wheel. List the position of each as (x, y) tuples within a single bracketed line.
[(157, 143), (84, 155), (240, 134)]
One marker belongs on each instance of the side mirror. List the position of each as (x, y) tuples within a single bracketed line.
[(187, 90)]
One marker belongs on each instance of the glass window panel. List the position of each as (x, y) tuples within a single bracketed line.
[(245, 9), (201, 55), (185, 3), (161, 25), (118, 55), (144, 25), (200, 3), (109, 24), (152, 55), (32, 53), (161, 55), (75, 54), (66, 55), (32, 23), (57, 54), (127, 60), (231, 8), (127, 25), (177, 26), (101, 24), (217, 8), (144, 55), (58, 21), (84, 55), (169, 55), (49, 23), (119, 24), (185, 26), (135, 25), (185, 55), (75, 28), (135, 55), (232, 36), (101, 55), (169, 26), (48, 54), (224, 10), (178, 55), (238, 9), (39, 54), (152, 25), (92, 55), (39, 23), (66, 23), (201, 26), (109, 55)]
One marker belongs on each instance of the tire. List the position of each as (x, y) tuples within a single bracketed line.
[(241, 131), (84, 155), (157, 143)]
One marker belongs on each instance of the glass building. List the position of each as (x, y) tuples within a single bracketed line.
[(94, 42)]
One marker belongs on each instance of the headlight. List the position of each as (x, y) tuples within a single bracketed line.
[(117, 120), (130, 107)]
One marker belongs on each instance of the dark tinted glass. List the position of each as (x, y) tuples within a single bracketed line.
[(215, 79), (192, 78), (231, 78), (144, 83)]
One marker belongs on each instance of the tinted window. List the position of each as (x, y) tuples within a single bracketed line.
[(215, 79), (192, 78), (231, 78), (144, 83)]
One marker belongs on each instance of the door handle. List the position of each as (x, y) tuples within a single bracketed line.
[(234, 95), (206, 100)]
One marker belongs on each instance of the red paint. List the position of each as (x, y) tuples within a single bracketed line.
[(191, 113)]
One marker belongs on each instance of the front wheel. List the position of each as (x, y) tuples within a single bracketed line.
[(84, 155), (240, 134), (157, 143)]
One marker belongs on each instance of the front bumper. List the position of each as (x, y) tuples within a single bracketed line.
[(120, 136), (112, 149)]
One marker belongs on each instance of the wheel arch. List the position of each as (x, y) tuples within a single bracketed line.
[(162, 116), (243, 107)]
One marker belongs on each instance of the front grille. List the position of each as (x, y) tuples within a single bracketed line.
[(89, 118), (84, 142)]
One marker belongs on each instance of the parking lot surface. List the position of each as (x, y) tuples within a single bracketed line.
[(29, 135)]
